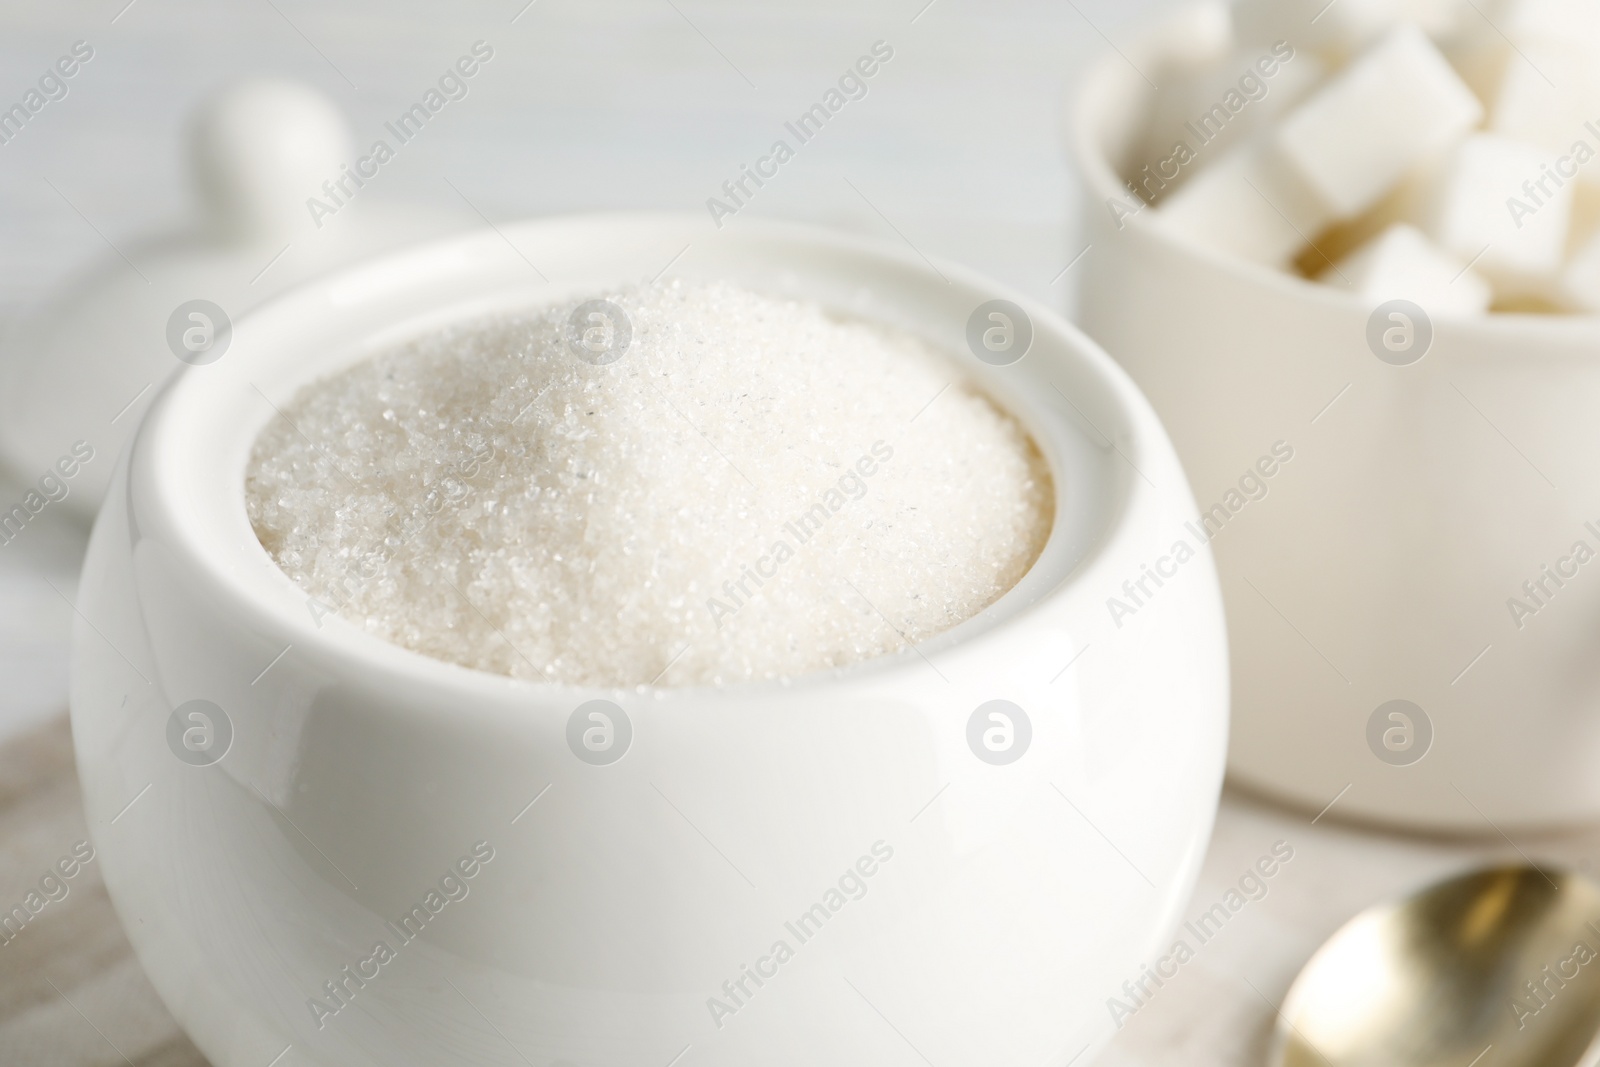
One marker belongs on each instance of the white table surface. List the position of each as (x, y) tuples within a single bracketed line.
[(645, 103)]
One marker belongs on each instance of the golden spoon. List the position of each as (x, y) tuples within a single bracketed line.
[(1498, 967)]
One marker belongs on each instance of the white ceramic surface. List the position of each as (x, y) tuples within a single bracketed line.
[(1382, 562), (1016, 899)]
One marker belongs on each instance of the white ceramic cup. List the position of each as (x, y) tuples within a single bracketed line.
[(1426, 487), (986, 908)]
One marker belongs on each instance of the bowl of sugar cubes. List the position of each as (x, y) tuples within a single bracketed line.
[(591, 639), (1366, 235)]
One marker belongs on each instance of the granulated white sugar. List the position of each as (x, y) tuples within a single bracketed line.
[(754, 489)]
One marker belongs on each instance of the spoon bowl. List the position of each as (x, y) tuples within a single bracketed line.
[(1499, 966)]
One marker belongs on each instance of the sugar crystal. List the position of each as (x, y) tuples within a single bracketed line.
[(753, 489)]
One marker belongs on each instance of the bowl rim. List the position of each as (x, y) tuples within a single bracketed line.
[(160, 498), (1089, 97)]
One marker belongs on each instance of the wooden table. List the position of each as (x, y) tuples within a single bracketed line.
[(71, 992)]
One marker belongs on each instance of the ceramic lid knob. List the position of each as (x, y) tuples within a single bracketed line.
[(85, 364), (259, 149)]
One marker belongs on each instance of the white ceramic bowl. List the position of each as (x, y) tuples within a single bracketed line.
[(1380, 564), (616, 906)]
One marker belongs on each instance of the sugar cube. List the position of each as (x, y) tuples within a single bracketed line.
[(1570, 22), (1479, 53), (1585, 216), (1248, 203), (1438, 17), (1340, 28), (1313, 24), (1549, 97), (1215, 108), (1580, 282), (1497, 203), (1342, 239), (1399, 103), (1193, 36), (1401, 263)]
